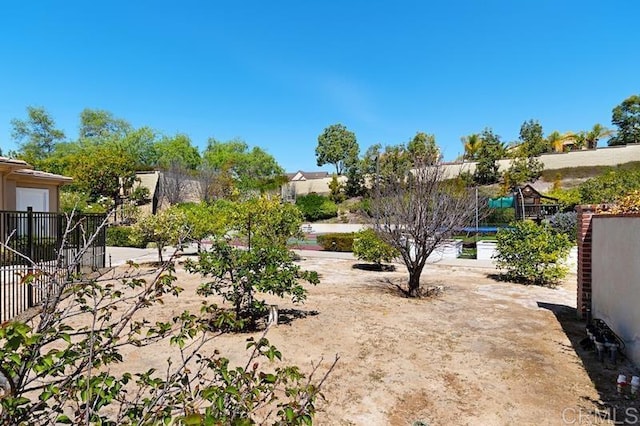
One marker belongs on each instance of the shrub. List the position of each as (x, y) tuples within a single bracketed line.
[(336, 189), (369, 247), (565, 223), (140, 195), (500, 216), (363, 207), (609, 187), (629, 204), (336, 241), (124, 236), (316, 207), (567, 198), (532, 253)]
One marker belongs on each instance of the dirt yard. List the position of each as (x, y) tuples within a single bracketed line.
[(483, 352)]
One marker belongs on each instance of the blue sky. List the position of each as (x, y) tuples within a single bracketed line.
[(277, 73)]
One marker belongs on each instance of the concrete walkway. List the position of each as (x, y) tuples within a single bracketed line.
[(120, 255)]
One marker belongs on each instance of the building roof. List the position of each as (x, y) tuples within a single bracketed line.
[(11, 162), (300, 175), (25, 171), (38, 175)]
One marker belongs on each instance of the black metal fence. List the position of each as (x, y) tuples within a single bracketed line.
[(40, 249)]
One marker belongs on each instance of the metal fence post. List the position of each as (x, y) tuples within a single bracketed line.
[(31, 252)]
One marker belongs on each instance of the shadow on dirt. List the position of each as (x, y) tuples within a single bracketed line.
[(374, 267), (287, 316), (614, 407)]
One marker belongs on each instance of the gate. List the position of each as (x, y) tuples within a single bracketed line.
[(41, 249)]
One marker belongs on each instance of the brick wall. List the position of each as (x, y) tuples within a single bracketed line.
[(585, 213)]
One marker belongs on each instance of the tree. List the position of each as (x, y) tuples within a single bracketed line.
[(265, 266), (415, 211), (338, 146), (525, 166), (175, 184), (532, 141), (626, 117), (176, 149), (37, 136), (522, 170), (99, 127), (214, 184), (102, 170), (597, 132), (556, 140), (422, 149), (104, 160), (472, 145), (394, 161), (265, 222), (355, 181), (238, 275), (200, 222), (251, 170), (532, 253), (169, 227), (61, 366), (490, 150), (99, 124)]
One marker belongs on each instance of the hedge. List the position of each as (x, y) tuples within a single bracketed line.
[(316, 207), (124, 236), (336, 241)]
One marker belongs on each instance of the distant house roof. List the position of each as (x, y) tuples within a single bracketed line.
[(300, 175), (530, 192)]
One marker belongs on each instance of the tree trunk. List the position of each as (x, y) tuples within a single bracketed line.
[(414, 284), (160, 253)]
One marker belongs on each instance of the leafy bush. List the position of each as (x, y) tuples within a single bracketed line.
[(140, 195), (565, 223), (532, 253), (567, 198), (124, 236), (362, 206), (336, 241), (369, 247), (609, 187), (316, 207), (500, 216), (336, 189)]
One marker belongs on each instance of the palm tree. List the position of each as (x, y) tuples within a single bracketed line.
[(471, 146), (597, 132), (557, 140)]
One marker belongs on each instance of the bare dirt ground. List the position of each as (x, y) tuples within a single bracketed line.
[(483, 352)]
